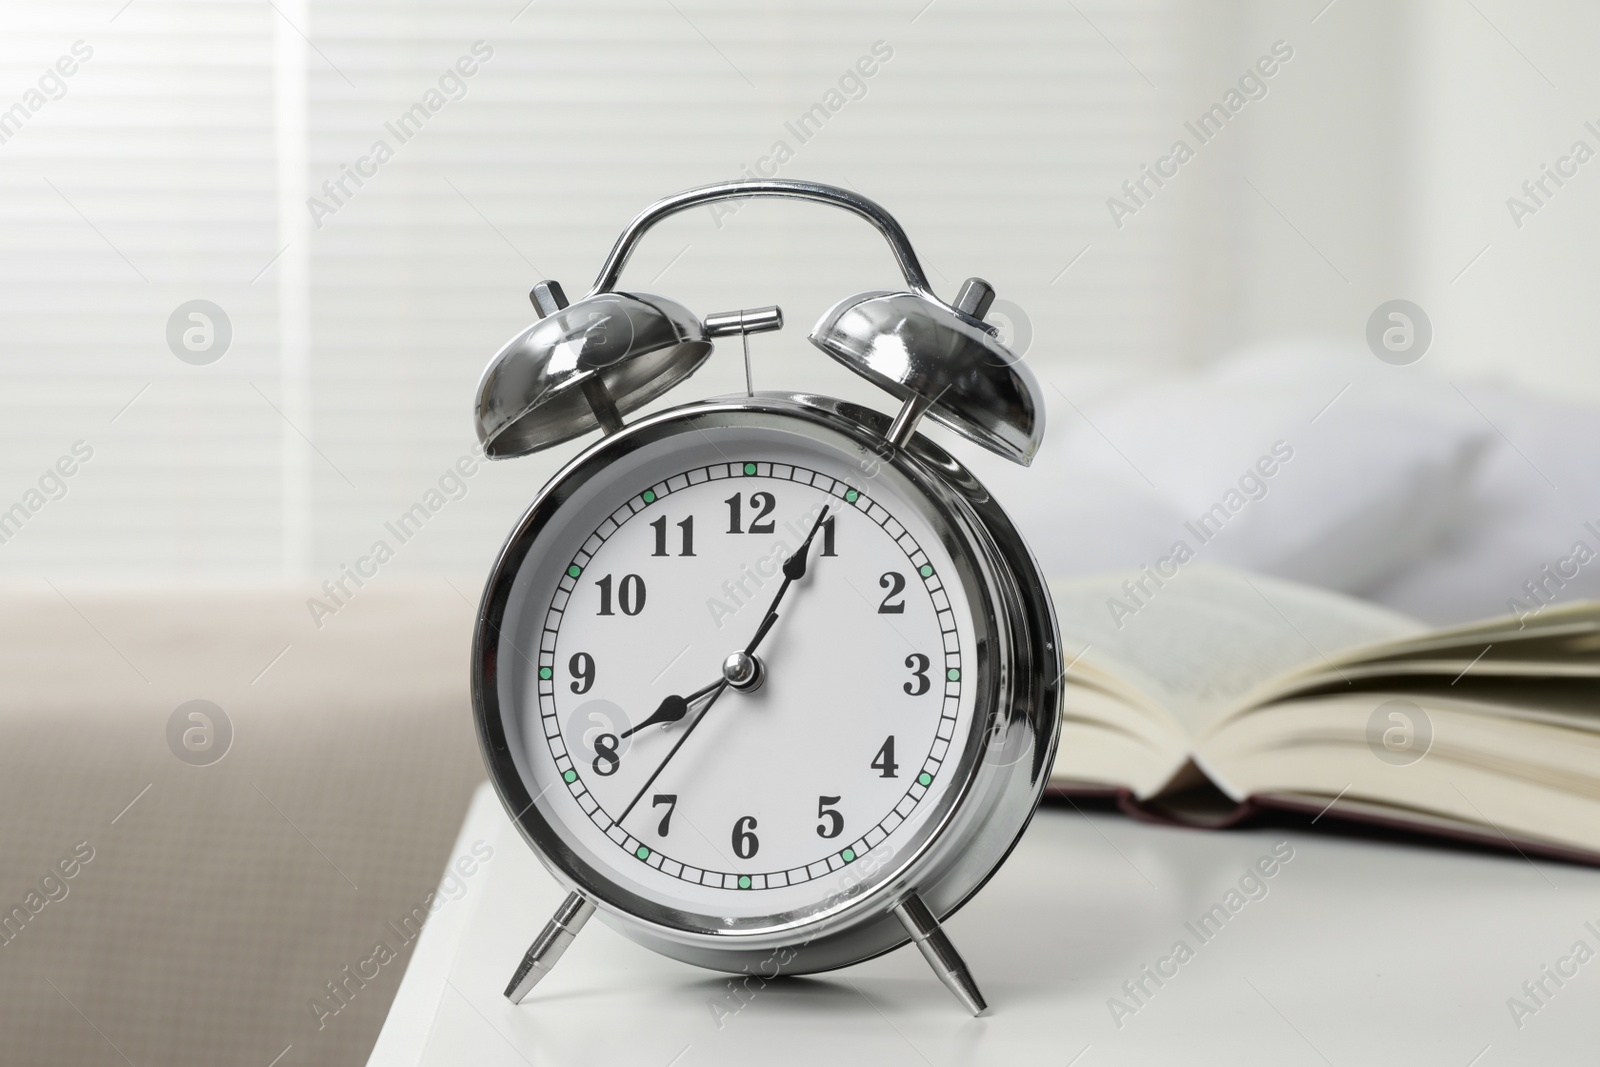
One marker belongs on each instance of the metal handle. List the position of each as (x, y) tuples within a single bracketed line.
[(754, 188)]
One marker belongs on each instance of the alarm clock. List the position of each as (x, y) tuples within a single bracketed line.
[(769, 682)]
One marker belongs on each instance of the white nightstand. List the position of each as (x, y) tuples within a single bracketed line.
[(1360, 952)]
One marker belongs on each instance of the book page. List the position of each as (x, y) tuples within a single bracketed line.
[(1571, 641), (1519, 771), (1202, 640), (1565, 645), (1109, 739)]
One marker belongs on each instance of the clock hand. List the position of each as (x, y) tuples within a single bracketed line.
[(794, 568), (672, 708), (718, 691)]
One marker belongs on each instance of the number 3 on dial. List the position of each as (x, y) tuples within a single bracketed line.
[(919, 672)]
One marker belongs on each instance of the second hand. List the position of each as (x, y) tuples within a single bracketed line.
[(648, 782), (794, 568)]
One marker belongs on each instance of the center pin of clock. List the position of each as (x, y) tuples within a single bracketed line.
[(744, 672)]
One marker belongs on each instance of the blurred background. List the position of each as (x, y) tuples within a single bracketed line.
[(256, 254), (177, 164)]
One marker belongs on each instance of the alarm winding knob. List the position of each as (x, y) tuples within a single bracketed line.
[(974, 298)]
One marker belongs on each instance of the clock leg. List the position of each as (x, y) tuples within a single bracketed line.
[(940, 953), (547, 949)]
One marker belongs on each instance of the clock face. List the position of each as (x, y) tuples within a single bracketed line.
[(746, 806)]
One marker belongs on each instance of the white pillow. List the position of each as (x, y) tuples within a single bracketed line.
[(1536, 498), (1303, 460)]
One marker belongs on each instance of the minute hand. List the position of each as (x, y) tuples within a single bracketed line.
[(794, 568), (674, 708)]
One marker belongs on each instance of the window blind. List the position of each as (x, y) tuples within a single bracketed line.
[(230, 152)]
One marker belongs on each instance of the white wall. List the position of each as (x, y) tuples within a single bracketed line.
[(1392, 148), (1499, 94), (184, 151), (193, 137)]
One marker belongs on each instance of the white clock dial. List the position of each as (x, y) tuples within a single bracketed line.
[(744, 803)]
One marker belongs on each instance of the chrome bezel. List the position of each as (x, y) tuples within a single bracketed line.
[(1005, 760)]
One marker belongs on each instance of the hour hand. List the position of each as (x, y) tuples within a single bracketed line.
[(671, 709)]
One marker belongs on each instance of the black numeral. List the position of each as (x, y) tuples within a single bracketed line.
[(606, 760), (834, 824), (630, 594), (919, 670), (763, 502), (827, 537), (745, 843), (895, 582), (766, 502), (885, 759), (581, 667), (671, 801), (686, 541)]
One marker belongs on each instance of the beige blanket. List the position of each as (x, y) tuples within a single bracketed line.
[(218, 899)]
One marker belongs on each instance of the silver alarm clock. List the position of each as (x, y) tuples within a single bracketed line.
[(769, 682)]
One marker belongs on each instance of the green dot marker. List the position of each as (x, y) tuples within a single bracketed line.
[(926, 570), (545, 674), (744, 881), (851, 496), (953, 674), (649, 497), (924, 779), (574, 570), (848, 855), (749, 468), (570, 777), (642, 852)]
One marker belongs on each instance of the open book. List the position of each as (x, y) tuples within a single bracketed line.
[(1217, 693)]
